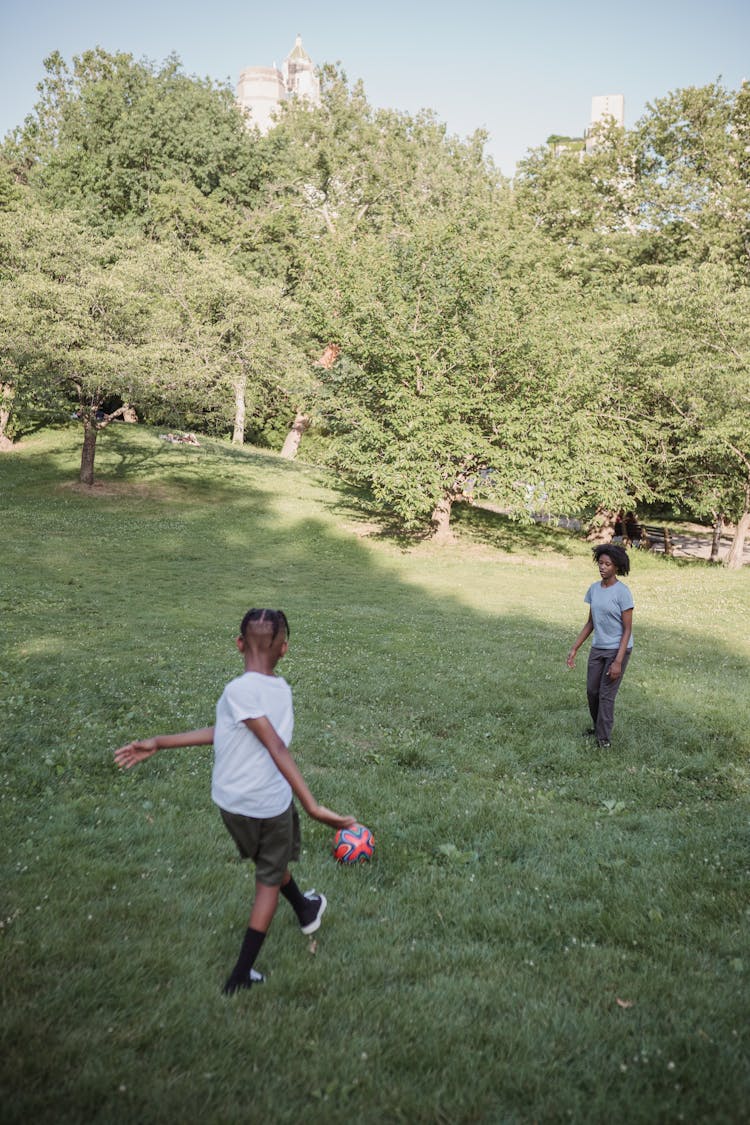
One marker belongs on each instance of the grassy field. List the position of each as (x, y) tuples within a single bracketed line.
[(547, 932)]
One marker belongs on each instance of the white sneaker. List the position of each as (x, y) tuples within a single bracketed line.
[(318, 903)]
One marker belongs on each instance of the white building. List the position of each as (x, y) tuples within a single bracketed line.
[(608, 105), (262, 89), (299, 74), (605, 107)]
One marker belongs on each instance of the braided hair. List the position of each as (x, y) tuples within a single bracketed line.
[(275, 619)]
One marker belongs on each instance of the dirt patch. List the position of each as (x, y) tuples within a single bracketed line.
[(365, 530)]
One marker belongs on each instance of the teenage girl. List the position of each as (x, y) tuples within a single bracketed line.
[(611, 621)]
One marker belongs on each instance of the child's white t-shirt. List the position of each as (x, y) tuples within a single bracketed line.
[(245, 779)]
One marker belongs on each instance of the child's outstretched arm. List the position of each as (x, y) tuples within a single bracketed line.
[(263, 729), (142, 748)]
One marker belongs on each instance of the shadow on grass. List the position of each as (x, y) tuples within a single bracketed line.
[(469, 524), (449, 718), (481, 525), (132, 463), (229, 547)]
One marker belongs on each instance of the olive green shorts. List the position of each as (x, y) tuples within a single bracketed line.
[(272, 844)]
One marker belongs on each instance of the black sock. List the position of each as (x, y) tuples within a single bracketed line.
[(240, 976), (296, 899)]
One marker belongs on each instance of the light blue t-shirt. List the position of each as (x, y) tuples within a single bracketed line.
[(607, 605)]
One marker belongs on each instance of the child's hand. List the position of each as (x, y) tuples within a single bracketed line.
[(135, 752), (571, 658), (326, 816)]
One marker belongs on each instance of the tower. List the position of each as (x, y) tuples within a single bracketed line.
[(261, 89), (299, 74)]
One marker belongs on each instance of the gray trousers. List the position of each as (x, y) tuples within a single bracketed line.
[(601, 690)]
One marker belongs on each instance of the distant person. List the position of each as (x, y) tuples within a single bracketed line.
[(633, 530), (611, 621), (254, 776)]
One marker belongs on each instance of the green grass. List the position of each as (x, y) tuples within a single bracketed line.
[(547, 933)]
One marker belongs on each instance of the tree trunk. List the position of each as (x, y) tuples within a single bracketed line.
[(294, 437), (90, 430), (441, 521), (735, 558), (602, 526), (716, 538), (6, 398), (240, 386), (5, 441)]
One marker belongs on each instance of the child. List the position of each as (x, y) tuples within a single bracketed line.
[(611, 622), (254, 776)]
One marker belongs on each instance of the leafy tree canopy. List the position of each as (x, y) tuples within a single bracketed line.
[(108, 132)]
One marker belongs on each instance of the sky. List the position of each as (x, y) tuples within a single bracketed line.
[(521, 71)]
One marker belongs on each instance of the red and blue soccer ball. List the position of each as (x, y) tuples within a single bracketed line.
[(353, 845)]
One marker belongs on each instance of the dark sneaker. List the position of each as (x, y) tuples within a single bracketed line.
[(589, 732), (253, 977), (318, 903), (603, 744)]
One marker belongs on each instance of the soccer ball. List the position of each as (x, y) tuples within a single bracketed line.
[(353, 845)]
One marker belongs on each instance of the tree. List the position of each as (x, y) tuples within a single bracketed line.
[(347, 175), (232, 337), (587, 203), (28, 236), (675, 187), (702, 318), (463, 349), (345, 167), (10, 198), (627, 218), (108, 133), (464, 360), (694, 154), (302, 421), (79, 323)]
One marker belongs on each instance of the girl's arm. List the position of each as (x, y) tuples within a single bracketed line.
[(585, 632), (615, 669), (263, 729), (142, 748)]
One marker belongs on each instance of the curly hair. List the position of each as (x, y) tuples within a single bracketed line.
[(618, 555)]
